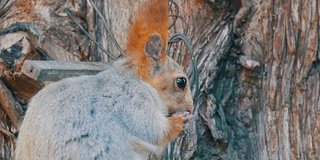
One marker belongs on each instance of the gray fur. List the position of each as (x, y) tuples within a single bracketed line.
[(153, 46), (92, 117)]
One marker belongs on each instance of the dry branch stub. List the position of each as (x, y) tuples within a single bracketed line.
[(57, 70)]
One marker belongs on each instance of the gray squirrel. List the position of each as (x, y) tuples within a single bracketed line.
[(134, 108)]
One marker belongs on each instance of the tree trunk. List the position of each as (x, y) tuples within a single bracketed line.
[(288, 87), (258, 63)]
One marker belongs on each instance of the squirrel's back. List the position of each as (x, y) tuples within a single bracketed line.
[(94, 115)]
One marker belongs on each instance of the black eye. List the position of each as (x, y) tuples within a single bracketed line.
[(181, 82)]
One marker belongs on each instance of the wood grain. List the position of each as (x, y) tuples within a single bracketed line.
[(57, 70)]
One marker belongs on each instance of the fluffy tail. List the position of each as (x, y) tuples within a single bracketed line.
[(144, 147)]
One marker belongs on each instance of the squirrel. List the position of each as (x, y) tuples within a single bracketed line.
[(133, 108)]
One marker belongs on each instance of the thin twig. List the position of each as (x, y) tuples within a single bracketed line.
[(178, 11), (107, 27), (6, 132), (87, 34), (183, 20), (195, 78)]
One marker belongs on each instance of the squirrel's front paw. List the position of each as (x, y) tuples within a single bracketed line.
[(186, 116), (176, 123)]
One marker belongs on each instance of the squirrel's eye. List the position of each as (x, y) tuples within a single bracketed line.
[(181, 82)]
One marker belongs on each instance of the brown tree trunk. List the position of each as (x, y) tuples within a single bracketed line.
[(258, 63), (286, 116)]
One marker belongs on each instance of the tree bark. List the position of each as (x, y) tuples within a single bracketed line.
[(258, 63), (288, 102)]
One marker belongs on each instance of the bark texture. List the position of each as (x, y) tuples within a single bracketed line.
[(286, 34), (258, 63)]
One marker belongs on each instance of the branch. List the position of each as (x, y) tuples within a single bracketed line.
[(10, 105)]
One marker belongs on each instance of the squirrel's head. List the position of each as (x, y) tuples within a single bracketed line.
[(163, 73), (146, 52), (172, 84)]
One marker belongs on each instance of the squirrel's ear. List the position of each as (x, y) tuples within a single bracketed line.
[(148, 34), (148, 38), (153, 46)]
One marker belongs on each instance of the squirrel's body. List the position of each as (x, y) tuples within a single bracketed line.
[(132, 109), (94, 112)]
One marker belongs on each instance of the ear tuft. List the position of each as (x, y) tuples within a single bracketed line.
[(153, 46)]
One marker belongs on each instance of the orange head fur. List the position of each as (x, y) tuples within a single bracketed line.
[(146, 53), (149, 20)]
